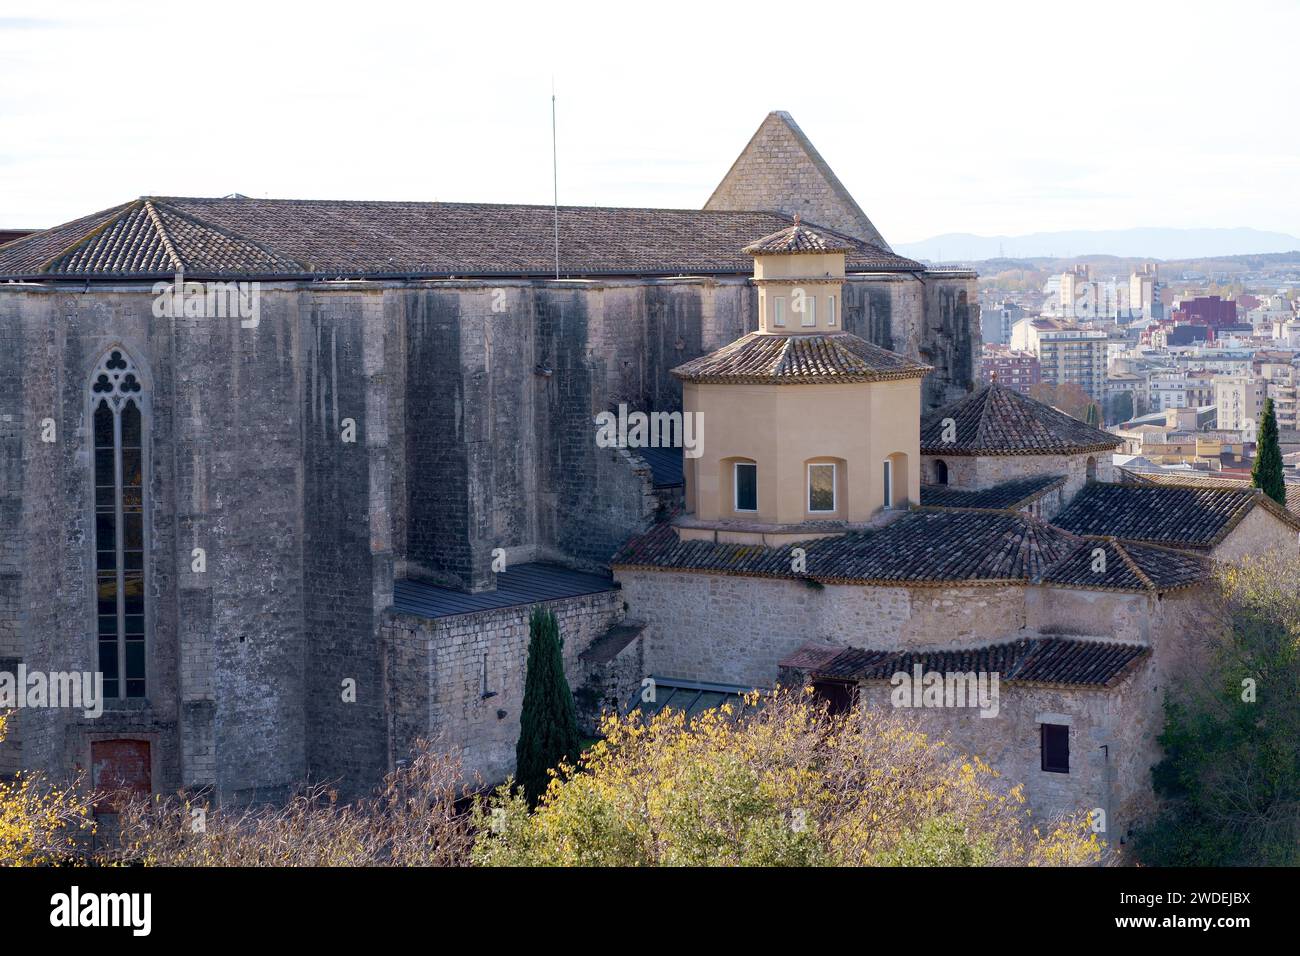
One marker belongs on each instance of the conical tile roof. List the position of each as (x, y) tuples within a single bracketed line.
[(798, 239), (822, 358), (996, 420)]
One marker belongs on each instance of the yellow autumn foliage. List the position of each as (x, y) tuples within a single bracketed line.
[(783, 784), (40, 823)]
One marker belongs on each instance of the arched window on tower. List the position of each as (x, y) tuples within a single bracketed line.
[(940, 471), (1090, 468), (117, 417)]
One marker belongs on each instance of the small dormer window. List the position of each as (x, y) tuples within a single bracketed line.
[(809, 311), (778, 312), (830, 312), (745, 485)]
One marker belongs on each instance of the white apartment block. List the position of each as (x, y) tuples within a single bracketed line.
[(1066, 353), (1240, 401)]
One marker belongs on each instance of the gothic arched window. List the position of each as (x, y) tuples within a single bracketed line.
[(117, 416)]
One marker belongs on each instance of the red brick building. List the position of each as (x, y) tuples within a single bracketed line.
[(1016, 370)]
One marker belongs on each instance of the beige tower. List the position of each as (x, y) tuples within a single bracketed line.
[(807, 429)]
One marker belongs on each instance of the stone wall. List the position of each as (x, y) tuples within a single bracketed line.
[(473, 407), (977, 472), (244, 460), (1112, 744), (459, 681), (734, 629), (950, 336), (1257, 533), (780, 170)]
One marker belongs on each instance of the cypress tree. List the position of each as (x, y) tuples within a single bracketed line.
[(1122, 409), (548, 723), (1267, 473)]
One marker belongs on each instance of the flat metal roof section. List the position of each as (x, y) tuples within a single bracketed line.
[(691, 697), (665, 466), (520, 585)]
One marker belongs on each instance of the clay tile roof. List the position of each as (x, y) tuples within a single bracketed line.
[(1010, 494), (918, 548), (1197, 479), (812, 656), (829, 357), (1178, 516), (799, 239), (995, 420), (146, 238), (284, 238), (1035, 660), (1105, 564)]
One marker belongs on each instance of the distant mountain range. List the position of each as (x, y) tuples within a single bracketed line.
[(1152, 243)]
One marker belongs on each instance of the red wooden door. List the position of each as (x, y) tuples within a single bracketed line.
[(120, 767)]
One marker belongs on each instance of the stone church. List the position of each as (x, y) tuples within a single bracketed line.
[(289, 474)]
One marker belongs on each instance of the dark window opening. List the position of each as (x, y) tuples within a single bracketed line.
[(746, 486), (1056, 748), (118, 430), (839, 695), (941, 472)]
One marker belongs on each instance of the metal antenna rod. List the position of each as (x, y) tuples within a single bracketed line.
[(555, 181)]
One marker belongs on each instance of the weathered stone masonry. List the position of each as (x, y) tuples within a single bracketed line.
[(459, 680), (473, 431)]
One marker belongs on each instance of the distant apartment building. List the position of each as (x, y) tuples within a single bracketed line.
[(1073, 288), (1006, 366), (1171, 333), (1239, 400), (1181, 389), (1280, 384), (1066, 353), (1144, 293), (1167, 390), (1130, 382), (1208, 310), (1080, 296), (997, 320), (1275, 309), (1198, 388), (1287, 334)]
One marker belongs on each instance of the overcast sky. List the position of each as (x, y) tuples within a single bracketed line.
[(992, 118)]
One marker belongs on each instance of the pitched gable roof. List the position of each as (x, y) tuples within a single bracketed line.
[(274, 238), (1177, 516), (918, 548), (781, 170), (1036, 660), (156, 239), (822, 358), (1198, 479), (996, 420), (1105, 564), (924, 548)]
